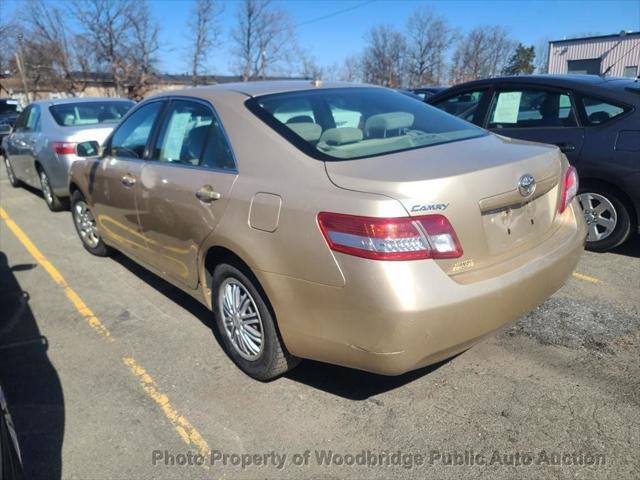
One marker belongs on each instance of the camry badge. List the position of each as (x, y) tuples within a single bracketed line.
[(526, 185)]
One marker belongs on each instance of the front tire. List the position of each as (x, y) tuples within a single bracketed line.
[(54, 202), (608, 217), (13, 180), (85, 224), (246, 324)]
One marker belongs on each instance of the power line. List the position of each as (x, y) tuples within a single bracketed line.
[(333, 14)]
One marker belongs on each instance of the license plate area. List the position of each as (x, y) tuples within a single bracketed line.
[(507, 228)]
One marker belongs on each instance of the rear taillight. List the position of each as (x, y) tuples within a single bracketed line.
[(405, 238), (569, 188), (64, 148)]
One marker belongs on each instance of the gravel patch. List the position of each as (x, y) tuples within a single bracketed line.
[(576, 324)]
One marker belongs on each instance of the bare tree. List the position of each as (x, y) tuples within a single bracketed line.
[(351, 69), (141, 71), (123, 39), (309, 67), (541, 60), (482, 53), (383, 57), (428, 37), (51, 47), (105, 25), (205, 35), (263, 39)]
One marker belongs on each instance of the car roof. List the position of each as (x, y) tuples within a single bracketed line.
[(65, 101), (575, 81), (625, 89), (255, 89)]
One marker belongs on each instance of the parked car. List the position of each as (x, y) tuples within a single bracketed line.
[(594, 120), (427, 92), (385, 246), (9, 111), (44, 141), (10, 459)]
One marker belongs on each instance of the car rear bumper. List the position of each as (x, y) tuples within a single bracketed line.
[(393, 317)]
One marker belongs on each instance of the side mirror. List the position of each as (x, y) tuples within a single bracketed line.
[(5, 129), (89, 149)]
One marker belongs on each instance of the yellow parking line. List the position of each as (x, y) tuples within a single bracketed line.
[(185, 429), (586, 278), (57, 277)]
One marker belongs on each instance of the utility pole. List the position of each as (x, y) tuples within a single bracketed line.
[(20, 64)]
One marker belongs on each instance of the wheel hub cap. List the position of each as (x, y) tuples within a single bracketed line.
[(86, 224), (600, 215), (241, 318)]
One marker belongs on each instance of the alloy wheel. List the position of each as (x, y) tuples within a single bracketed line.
[(86, 224), (46, 187), (241, 317), (12, 177), (600, 215)]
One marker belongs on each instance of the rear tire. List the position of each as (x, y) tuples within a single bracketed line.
[(55, 203), (608, 217), (13, 180), (85, 224), (246, 324)]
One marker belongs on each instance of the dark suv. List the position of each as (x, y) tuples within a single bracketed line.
[(595, 121)]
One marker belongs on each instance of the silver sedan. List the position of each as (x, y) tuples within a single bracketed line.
[(46, 138)]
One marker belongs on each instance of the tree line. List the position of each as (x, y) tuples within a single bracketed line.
[(118, 40)]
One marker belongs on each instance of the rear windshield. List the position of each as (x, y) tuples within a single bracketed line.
[(9, 106), (89, 113), (351, 123)]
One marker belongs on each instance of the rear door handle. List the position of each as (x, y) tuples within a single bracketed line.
[(567, 147), (207, 194), (128, 180)]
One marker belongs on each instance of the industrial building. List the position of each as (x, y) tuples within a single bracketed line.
[(612, 55)]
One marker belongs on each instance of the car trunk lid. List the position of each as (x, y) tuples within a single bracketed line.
[(475, 184)]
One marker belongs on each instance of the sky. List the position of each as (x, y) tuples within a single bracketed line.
[(332, 39)]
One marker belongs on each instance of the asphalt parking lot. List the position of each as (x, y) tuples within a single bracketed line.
[(111, 373)]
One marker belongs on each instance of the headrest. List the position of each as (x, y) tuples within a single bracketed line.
[(550, 106), (389, 121), (341, 136), (301, 119), (308, 131)]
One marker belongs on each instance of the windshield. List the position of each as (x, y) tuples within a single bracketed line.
[(350, 123), (89, 113)]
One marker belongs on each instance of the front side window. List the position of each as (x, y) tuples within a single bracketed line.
[(630, 71), (131, 137), (350, 123), (463, 105), (599, 111), (21, 121), (89, 113), (530, 109), (192, 135)]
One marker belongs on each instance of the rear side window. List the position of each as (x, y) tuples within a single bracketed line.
[(89, 113), (350, 123), (192, 135), (530, 109), (599, 111), (131, 137), (463, 105)]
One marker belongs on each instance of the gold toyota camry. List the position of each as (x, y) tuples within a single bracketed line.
[(344, 223)]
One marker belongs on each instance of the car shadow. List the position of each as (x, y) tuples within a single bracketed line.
[(30, 382), (630, 248), (353, 384), (340, 381)]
